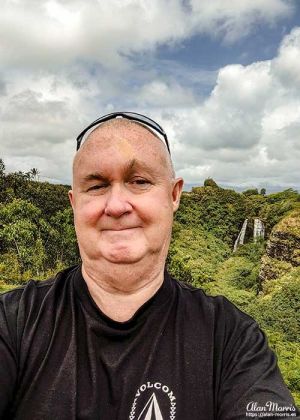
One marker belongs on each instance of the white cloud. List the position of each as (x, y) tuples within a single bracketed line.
[(64, 63), (165, 94), (233, 19), (53, 33), (248, 128), (231, 117), (287, 65)]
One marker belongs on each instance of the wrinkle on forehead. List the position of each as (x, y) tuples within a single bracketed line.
[(121, 131)]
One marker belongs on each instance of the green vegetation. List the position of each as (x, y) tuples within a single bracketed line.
[(37, 239), (262, 278), (195, 254), (37, 236), (219, 211), (209, 182)]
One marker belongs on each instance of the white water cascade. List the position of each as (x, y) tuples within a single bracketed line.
[(241, 236), (259, 229)]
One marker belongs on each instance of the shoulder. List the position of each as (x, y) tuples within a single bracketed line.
[(29, 298), (245, 368), (217, 306), (29, 306), (223, 323)]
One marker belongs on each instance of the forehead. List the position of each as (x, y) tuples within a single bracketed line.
[(118, 142)]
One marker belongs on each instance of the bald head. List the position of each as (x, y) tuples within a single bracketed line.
[(124, 137)]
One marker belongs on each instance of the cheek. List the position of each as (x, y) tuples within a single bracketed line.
[(157, 210), (88, 212)]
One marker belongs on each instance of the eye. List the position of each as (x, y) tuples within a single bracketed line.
[(97, 187), (141, 183)]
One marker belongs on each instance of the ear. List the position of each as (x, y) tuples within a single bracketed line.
[(176, 193), (71, 198)]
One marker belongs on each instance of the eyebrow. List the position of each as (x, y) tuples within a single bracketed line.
[(135, 164), (130, 167), (96, 176)]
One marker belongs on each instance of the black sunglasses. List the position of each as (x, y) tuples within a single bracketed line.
[(134, 116)]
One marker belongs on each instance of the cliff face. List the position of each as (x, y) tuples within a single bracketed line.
[(283, 248)]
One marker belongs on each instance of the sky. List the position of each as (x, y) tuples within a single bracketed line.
[(221, 76)]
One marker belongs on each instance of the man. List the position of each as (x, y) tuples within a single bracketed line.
[(117, 337)]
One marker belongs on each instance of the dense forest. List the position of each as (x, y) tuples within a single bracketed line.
[(262, 277)]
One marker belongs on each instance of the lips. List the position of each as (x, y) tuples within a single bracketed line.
[(120, 229)]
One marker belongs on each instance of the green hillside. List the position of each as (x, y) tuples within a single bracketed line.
[(37, 239), (262, 278)]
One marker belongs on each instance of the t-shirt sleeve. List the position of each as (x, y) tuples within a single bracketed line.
[(251, 384), (8, 359)]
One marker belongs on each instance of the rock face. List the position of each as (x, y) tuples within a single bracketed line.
[(283, 248)]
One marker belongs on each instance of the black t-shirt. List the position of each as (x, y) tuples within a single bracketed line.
[(182, 356)]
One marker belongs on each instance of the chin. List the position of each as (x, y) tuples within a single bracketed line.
[(123, 256), (116, 259)]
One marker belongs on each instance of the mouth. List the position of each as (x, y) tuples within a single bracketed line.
[(120, 229)]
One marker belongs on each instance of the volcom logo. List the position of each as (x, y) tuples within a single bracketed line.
[(160, 405), (151, 410)]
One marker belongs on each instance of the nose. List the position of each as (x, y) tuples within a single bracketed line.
[(117, 202)]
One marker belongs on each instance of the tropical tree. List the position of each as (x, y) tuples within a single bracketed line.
[(34, 174), (20, 234)]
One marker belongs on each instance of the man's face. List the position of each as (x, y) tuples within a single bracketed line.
[(123, 195)]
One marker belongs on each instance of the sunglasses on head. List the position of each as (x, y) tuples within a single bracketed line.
[(133, 116)]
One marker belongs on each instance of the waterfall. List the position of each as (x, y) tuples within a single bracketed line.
[(241, 236), (259, 229)]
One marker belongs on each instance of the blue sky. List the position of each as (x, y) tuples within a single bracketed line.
[(222, 77)]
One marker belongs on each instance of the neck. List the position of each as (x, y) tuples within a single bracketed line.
[(120, 291)]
